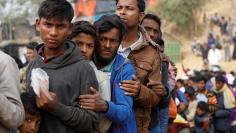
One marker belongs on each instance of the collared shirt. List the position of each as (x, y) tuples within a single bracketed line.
[(126, 51), (108, 67), (42, 54)]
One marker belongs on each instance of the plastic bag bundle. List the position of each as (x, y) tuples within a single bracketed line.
[(40, 82)]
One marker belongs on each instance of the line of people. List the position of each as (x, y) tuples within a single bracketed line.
[(111, 76)]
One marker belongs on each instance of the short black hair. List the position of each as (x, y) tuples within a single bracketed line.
[(156, 19), (220, 78), (201, 78), (32, 45), (190, 91), (203, 106), (82, 27), (59, 9), (107, 22), (153, 17), (180, 81), (141, 5), (29, 103)]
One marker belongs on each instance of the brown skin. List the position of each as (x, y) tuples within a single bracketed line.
[(181, 107), (200, 111), (157, 87), (107, 49), (93, 101), (31, 123), (108, 46), (151, 27), (129, 13), (179, 85), (131, 87), (219, 85), (201, 86), (53, 33), (43, 102), (187, 97), (30, 55), (86, 44)]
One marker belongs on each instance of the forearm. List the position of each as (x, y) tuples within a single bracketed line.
[(11, 112), (77, 118), (146, 98), (117, 112), (121, 109)]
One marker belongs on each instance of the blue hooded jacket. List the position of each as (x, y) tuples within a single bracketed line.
[(120, 108)]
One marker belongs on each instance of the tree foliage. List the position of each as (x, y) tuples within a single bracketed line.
[(181, 12)]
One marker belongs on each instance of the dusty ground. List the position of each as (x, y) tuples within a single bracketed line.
[(223, 7)]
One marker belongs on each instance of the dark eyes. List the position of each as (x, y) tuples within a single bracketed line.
[(126, 7)]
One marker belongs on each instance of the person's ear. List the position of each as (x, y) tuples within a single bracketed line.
[(37, 24)]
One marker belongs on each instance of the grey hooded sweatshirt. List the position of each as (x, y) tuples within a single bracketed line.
[(69, 77)]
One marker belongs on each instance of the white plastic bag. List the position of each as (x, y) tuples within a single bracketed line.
[(40, 82)]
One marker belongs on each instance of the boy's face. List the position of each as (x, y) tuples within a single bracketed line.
[(200, 111), (86, 44), (129, 12), (31, 123), (201, 85), (187, 96), (219, 85), (53, 32), (179, 85), (108, 45), (152, 28), (30, 54)]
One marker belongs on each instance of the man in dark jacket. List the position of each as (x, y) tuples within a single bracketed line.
[(69, 74), (225, 105)]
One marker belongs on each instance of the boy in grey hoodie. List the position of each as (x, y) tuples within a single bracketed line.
[(69, 74)]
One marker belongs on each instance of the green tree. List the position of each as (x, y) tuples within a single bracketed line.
[(181, 12)]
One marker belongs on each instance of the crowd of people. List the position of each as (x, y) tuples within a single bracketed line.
[(206, 101), (210, 50), (110, 76)]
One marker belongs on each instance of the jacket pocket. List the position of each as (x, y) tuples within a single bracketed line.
[(143, 68)]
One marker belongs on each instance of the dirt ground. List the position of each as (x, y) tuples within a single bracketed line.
[(224, 8)]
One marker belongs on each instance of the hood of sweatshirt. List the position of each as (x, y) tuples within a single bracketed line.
[(70, 56)]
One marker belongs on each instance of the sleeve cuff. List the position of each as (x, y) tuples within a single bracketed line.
[(110, 109)]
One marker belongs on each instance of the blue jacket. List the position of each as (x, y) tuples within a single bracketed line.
[(120, 108), (221, 118), (199, 120)]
